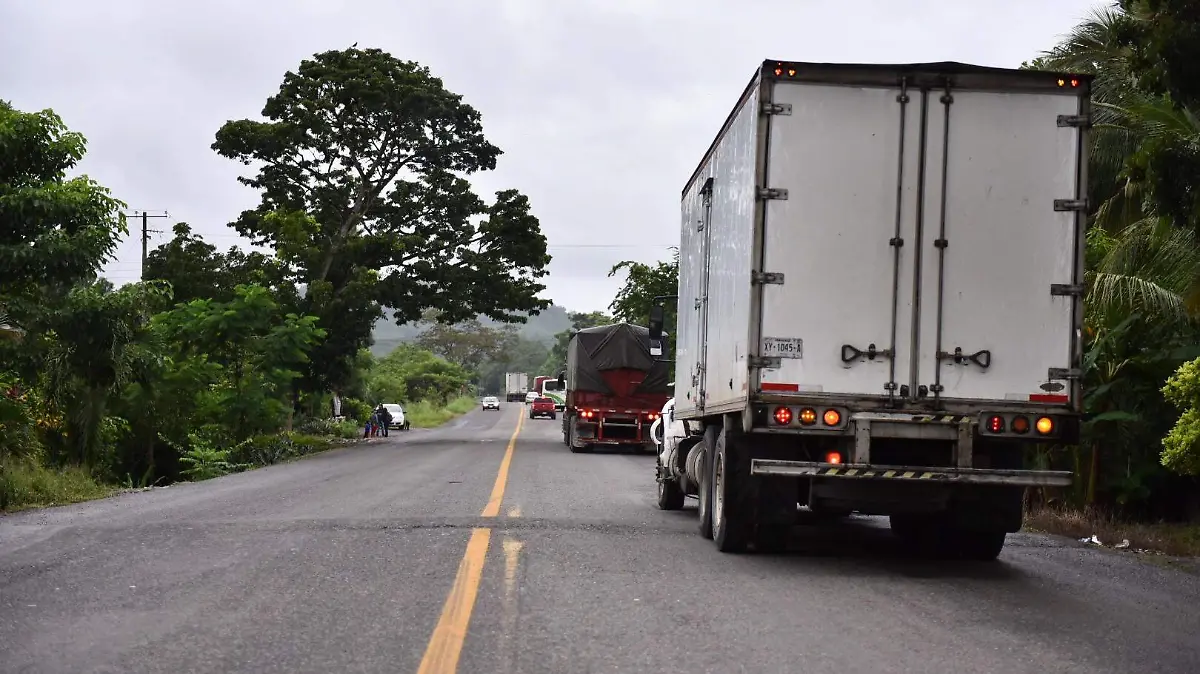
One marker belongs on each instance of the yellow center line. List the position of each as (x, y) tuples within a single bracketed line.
[(492, 509), (446, 642), (441, 655)]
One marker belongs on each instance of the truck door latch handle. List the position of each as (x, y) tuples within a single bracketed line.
[(850, 353), (981, 358)]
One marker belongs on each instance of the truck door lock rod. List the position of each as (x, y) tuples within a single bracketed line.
[(981, 358), (850, 353)]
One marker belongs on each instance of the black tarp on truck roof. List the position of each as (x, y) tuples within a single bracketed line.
[(621, 346)]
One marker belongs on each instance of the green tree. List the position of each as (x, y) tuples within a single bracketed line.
[(196, 270), (469, 343), (94, 342), (643, 283), (55, 232), (1181, 447), (525, 355), (412, 374), (364, 199), (259, 348)]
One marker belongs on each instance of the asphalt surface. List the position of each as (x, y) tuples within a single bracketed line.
[(380, 558)]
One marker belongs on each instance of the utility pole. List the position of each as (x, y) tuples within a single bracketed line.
[(146, 231)]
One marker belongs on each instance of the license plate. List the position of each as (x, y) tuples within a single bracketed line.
[(782, 347)]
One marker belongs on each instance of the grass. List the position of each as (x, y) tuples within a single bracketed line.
[(1181, 540), (425, 414), (27, 484)]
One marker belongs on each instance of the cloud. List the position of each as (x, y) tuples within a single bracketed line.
[(602, 107)]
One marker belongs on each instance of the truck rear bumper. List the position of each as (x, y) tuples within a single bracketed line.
[(860, 471)]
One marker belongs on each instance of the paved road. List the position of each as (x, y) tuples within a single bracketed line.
[(377, 559)]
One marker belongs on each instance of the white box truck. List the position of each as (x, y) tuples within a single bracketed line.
[(516, 385), (880, 302)]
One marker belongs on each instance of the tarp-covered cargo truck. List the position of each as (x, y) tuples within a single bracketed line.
[(880, 285), (516, 385), (613, 388)]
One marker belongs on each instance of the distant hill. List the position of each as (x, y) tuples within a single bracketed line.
[(541, 328)]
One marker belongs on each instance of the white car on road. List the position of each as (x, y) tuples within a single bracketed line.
[(491, 403), (530, 397), (398, 421)]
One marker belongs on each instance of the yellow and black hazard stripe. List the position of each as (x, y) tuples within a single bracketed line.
[(940, 418), (841, 471)]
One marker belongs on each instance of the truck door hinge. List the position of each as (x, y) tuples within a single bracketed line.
[(1076, 121), (777, 108), (765, 363), (1064, 373), (698, 303), (772, 193), (1070, 205), (766, 277), (1066, 289)]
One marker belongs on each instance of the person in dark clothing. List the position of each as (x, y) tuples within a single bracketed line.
[(385, 419)]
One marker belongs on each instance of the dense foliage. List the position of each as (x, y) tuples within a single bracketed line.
[(219, 361)]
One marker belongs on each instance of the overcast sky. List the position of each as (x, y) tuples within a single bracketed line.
[(602, 108)]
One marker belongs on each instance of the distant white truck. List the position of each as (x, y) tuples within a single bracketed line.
[(516, 385), (880, 309)]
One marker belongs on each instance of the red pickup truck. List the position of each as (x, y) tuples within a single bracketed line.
[(542, 407)]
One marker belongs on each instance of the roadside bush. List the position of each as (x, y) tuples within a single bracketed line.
[(25, 483), (268, 450), (355, 409), (344, 429), (425, 414)]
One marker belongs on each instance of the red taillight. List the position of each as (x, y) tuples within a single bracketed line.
[(783, 416), (586, 414), (652, 416), (995, 424), (833, 457)]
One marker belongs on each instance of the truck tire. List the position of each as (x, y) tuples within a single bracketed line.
[(553, 416), (704, 488), (575, 448), (730, 484), (670, 495)]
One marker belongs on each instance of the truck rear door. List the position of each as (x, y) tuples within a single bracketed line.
[(845, 156), (915, 241), (997, 259)]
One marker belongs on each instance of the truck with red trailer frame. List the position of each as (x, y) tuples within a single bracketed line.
[(614, 388), (537, 382)]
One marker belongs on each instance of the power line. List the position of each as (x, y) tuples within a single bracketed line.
[(146, 234)]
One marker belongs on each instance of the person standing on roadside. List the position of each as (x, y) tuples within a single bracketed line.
[(385, 418)]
